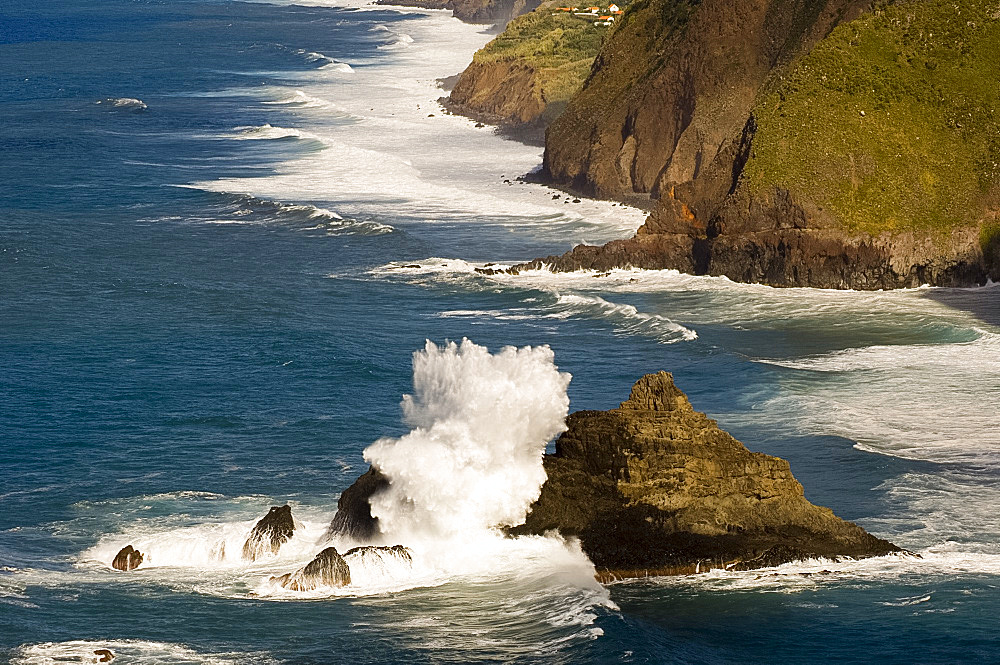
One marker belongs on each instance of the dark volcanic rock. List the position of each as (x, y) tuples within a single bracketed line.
[(127, 559), (354, 516), (381, 551), (327, 569), (781, 241), (269, 533), (656, 488)]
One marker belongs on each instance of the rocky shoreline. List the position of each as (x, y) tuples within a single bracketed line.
[(742, 186)]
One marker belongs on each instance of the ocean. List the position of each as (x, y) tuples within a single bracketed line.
[(233, 235)]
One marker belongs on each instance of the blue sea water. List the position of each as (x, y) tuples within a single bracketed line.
[(225, 227)]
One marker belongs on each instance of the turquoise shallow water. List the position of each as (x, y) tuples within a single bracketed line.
[(205, 309)]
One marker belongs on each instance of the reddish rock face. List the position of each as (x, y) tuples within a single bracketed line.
[(655, 487)]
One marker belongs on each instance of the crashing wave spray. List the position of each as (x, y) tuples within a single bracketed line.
[(473, 461)]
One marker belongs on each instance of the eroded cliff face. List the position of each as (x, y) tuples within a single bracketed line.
[(507, 93), (673, 88), (656, 488), (524, 78)]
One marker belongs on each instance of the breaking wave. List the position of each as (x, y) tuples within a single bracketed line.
[(268, 132), (324, 61), (124, 103), (247, 209), (128, 651), (561, 301)]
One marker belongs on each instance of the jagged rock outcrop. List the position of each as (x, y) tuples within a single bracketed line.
[(354, 517), (128, 558), (328, 569), (835, 144), (270, 533), (473, 11), (656, 488)]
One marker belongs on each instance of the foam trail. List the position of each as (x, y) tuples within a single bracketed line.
[(125, 103), (474, 458), (128, 651)]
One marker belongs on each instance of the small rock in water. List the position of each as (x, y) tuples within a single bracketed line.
[(269, 533), (127, 558), (327, 569), (354, 518), (479, 124), (555, 196), (576, 200), (106, 655), (430, 115)]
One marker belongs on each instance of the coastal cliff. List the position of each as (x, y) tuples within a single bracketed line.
[(836, 144), (473, 11), (656, 488), (525, 77)]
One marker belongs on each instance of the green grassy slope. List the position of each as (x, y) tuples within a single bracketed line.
[(891, 121), (560, 47)]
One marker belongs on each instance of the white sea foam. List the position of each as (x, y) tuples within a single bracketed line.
[(128, 651), (933, 564), (267, 132), (391, 156), (125, 103), (566, 300), (481, 421), (325, 62), (202, 546), (923, 402), (472, 463)]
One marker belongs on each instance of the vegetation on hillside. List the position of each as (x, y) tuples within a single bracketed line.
[(891, 121), (560, 46)]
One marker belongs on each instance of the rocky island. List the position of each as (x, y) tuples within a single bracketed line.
[(656, 488), (837, 143)]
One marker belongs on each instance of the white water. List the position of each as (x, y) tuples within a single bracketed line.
[(382, 150), (128, 652), (474, 458), (471, 464)]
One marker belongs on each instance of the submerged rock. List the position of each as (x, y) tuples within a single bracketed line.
[(128, 558), (656, 488), (268, 535), (381, 551), (354, 518), (327, 569)]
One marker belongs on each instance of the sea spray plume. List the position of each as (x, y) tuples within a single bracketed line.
[(474, 458)]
